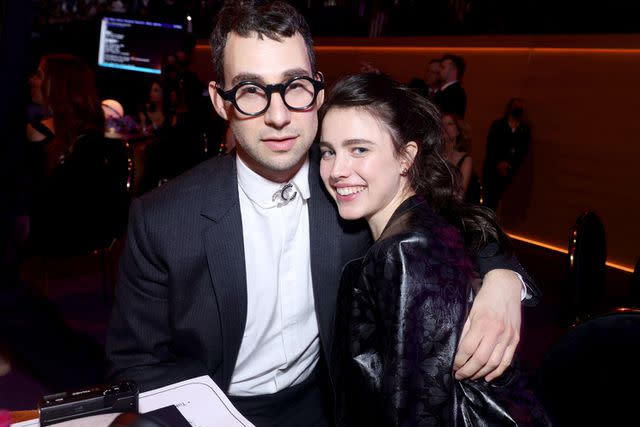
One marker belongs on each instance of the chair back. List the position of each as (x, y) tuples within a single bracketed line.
[(590, 376), (634, 286), (587, 257), (88, 200)]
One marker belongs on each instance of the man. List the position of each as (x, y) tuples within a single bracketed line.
[(433, 78), (232, 269), (452, 98), (507, 147)]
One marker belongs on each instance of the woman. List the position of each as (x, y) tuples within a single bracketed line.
[(157, 113), (79, 199), (457, 144), (402, 307), (65, 87)]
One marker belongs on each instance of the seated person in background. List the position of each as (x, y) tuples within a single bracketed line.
[(157, 113), (401, 309), (76, 198)]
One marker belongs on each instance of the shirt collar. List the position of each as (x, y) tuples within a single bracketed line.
[(446, 85), (260, 190)]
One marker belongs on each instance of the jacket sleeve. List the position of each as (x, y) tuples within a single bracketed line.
[(492, 257), (139, 332), (419, 303)]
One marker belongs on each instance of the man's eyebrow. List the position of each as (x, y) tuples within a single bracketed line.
[(289, 74), (296, 72), (243, 77)]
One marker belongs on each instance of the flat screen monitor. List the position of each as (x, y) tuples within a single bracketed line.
[(137, 45)]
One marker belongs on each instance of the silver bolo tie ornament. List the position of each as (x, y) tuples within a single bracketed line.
[(284, 195)]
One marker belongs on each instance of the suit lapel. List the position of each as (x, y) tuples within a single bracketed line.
[(326, 256), (225, 256)]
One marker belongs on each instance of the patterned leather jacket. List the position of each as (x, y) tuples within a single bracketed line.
[(400, 313)]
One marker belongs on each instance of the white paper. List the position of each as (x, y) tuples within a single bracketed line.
[(28, 423), (199, 400)]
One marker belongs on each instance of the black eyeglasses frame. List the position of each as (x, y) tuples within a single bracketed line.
[(230, 95)]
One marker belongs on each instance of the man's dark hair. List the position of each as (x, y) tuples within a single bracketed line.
[(273, 19), (458, 62), (434, 61)]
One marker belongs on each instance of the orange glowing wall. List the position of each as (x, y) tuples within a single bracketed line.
[(583, 101)]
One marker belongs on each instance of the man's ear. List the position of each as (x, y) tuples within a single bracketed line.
[(217, 101), (320, 97)]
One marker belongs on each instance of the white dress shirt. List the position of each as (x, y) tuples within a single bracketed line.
[(280, 346)]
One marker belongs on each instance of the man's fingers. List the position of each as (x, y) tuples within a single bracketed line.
[(479, 358), (504, 364), (466, 346), (476, 347)]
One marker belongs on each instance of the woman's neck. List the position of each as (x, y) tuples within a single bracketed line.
[(380, 219)]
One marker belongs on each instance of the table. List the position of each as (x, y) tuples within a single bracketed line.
[(19, 416)]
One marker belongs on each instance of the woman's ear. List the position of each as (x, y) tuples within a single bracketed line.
[(409, 155)]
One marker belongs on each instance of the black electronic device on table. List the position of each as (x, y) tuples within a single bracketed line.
[(95, 400)]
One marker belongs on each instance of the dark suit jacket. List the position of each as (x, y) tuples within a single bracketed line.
[(453, 99), (180, 308)]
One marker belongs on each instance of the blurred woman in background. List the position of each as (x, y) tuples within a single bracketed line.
[(156, 115), (457, 145), (77, 202), (457, 150)]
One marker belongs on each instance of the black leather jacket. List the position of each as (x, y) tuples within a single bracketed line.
[(401, 310)]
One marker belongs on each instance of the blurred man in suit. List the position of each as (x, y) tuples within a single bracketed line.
[(452, 98)]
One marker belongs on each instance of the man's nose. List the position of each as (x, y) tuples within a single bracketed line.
[(277, 115)]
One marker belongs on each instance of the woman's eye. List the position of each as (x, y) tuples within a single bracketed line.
[(360, 150), (326, 153)]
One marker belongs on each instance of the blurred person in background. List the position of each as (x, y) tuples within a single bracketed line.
[(452, 98), (33, 332), (507, 147), (457, 145), (71, 163), (457, 150), (433, 79)]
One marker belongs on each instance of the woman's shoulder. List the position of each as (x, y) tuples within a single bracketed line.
[(418, 228), (40, 131), (462, 157)]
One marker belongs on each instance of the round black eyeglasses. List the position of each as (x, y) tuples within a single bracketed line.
[(253, 99)]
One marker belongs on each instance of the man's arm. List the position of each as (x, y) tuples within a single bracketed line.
[(492, 330), (139, 335)]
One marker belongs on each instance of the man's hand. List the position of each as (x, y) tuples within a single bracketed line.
[(492, 330)]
